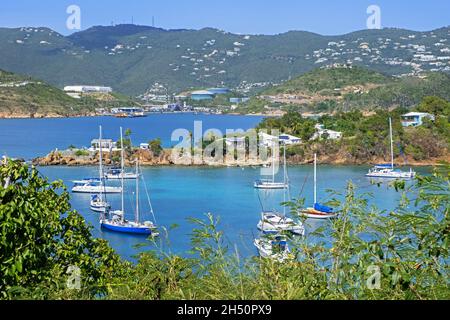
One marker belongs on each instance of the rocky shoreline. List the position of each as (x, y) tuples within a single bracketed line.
[(7, 115), (148, 159)]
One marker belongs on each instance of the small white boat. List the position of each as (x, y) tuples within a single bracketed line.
[(118, 173), (319, 211), (275, 222), (93, 186), (98, 201), (388, 170), (276, 249), (271, 184), (98, 204)]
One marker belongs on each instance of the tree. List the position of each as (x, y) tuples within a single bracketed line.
[(41, 238), (156, 147), (435, 105)]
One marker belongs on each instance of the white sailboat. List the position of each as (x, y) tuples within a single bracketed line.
[(318, 211), (117, 221), (273, 222), (271, 183), (389, 170), (95, 185), (98, 201), (275, 248), (118, 173)]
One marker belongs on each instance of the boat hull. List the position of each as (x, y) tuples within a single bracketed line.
[(314, 214), (391, 176), (270, 186), (96, 189), (125, 176), (126, 229)]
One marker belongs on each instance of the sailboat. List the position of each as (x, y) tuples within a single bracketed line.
[(318, 211), (388, 170), (273, 222), (95, 186), (117, 221), (116, 173), (98, 203), (271, 183), (275, 248)]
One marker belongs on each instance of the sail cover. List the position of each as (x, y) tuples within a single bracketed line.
[(322, 208)]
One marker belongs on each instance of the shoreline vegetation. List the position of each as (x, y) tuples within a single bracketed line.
[(148, 159)]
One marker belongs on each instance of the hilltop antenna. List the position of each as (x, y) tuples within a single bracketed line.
[(132, 20), (153, 21)]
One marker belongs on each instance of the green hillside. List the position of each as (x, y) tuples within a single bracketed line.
[(131, 59), (330, 79), (22, 96), (344, 89)]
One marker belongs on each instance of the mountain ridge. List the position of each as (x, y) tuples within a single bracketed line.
[(132, 59)]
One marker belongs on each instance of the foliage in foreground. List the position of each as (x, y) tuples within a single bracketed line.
[(406, 250)]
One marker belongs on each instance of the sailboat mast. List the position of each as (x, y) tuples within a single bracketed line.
[(273, 162), (284, 160), (100, 168), (137, 191), (392, 143), (315, 178), (122, 171)]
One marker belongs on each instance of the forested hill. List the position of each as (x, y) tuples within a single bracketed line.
[(349, 88), (23, 96), (131, 58)]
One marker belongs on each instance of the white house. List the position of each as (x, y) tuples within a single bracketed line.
[(144, 146), (289, 140), (87, 89), (238, 142), (415, 119), (330, 134), (267, 140), (107, 145)]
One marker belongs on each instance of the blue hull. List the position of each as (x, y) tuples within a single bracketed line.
[(129, 230)]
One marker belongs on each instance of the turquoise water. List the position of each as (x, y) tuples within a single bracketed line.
[(181, 193), (29, 138)]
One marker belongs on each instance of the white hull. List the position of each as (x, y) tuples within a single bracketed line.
[(265, 250), (100, 206), (96, 189), (274, 223), (270, 185), (126, 176), (391, 175)]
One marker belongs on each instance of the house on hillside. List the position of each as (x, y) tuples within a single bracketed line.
[(289, 140), (415, 119), (107, 145), (267, 140), (321, 132)]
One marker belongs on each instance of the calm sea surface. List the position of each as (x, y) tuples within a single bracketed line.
[(181, 193), (29, 138), (176, 193)]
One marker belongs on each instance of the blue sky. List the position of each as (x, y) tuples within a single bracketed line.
[(328, 17)]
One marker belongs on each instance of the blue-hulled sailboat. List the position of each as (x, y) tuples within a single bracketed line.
[(318, 211), (117, 222)]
